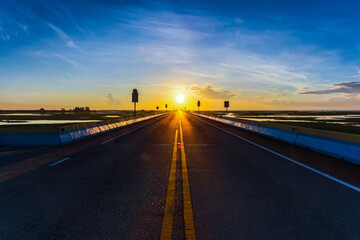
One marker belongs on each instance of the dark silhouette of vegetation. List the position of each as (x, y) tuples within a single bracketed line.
[(81, 109)]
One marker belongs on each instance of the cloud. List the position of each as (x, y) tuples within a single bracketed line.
[(210, 93), (25, 28), (5, 37), (238, 21), (345, 87), (72, 62), (168, 26), (259, 70), (111, 100), (63, 36), (358, 73), (197, 74)]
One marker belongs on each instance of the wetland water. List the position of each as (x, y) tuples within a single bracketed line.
[(348, 122), (334, 119), (61, 118), (338, 119)]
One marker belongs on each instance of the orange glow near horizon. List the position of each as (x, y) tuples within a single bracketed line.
[(176, 96)]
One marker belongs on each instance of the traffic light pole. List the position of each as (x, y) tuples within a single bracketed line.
[(135, 99)]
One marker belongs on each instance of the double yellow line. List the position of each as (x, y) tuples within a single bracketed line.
[(188, 211), (166, 229), (167, 225)]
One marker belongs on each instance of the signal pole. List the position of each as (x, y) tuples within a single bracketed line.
[(226, 105), (198, 104), (135, 99)]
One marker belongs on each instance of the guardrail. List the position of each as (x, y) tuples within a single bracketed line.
[(340, 145), (63, 135)]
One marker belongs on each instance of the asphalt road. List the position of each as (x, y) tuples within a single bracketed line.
[(178, 176)]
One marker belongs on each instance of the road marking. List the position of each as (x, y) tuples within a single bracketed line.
[(60, 161), (188, 211), (112, 139), (289, 159), (166, 229)]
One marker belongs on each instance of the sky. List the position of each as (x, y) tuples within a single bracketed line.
[(259, 55)]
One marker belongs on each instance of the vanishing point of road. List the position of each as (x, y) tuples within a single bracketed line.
[(177, 177)]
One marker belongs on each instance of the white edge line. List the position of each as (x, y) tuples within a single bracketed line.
[(116, 137), (57, 162), (289, 159)]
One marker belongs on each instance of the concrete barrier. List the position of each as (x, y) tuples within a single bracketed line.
[(340, 145), (79, 134), (23, 136), (279, 132)]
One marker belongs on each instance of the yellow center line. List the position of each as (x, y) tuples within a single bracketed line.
[(188, 211), (166, 229)]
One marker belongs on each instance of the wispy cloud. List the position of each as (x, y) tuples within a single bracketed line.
[(168, 26), (68, 60), (345, 87), (256, 69), (164, 46), (199, 74), (210, 93), (111, 100), (5, 37), (167, 54), (63, 36), (358, 73)]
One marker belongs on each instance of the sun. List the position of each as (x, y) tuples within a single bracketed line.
[(180, 98)]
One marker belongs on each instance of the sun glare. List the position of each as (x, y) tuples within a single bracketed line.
[(180, 98)]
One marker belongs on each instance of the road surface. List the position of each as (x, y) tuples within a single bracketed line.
[(177, 177)]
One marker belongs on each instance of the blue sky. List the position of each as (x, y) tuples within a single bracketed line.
[(257, 54)]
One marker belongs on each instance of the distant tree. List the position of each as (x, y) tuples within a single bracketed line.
[(63, 109), (81, 109), (42, 109)]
